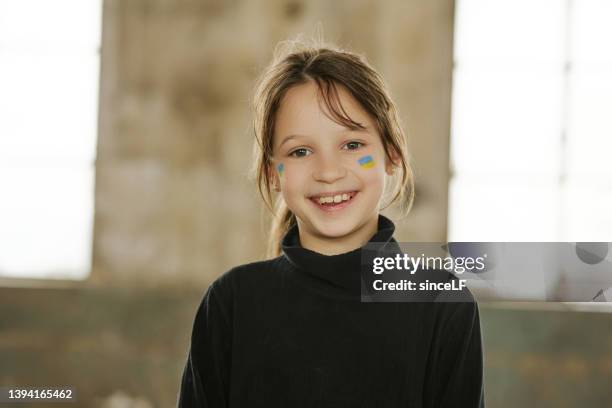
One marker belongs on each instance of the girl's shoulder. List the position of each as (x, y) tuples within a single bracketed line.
[(258, 275), (238, 284)]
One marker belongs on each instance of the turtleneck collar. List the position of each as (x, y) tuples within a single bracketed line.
[(340, 273)]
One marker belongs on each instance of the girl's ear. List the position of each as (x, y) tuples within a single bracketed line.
[(392, 163), (273, 177)]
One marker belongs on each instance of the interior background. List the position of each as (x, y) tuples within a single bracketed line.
[(174, 208)]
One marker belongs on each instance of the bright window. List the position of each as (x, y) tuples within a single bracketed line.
[(49, 71), (532, 121)]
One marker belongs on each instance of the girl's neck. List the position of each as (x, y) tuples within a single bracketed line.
[(338, 245)]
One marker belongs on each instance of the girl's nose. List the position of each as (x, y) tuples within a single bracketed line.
[(328, 169)]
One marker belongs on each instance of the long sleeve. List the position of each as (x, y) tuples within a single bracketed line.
[(456, 376), (205, 378)]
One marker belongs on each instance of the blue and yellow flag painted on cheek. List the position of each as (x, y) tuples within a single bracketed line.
[(367, 162)]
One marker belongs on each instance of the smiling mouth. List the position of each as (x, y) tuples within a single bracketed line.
[(335, 201)]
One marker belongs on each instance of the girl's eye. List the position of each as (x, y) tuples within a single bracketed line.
[(353, 145), (300, 152)]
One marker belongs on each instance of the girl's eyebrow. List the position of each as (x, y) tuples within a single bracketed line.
[(289, 138), (365, 130)]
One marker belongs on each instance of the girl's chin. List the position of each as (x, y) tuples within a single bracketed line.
[(333, 228)]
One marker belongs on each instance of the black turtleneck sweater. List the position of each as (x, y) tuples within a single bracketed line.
[(293, 332)]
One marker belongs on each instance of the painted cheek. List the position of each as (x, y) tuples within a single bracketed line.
[(280, 168), (366, 162)]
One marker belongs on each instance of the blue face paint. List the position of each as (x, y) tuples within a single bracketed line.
[(367, 162), (280, 167)]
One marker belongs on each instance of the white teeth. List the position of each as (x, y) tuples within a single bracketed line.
[(334, 199)]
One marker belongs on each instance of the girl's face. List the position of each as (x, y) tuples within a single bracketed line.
[(331, 177)]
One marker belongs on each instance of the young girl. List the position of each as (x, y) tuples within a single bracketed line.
[(292, 331)]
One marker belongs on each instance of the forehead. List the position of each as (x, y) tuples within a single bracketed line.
[(303, 111)]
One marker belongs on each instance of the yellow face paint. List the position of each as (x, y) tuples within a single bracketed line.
[(367, 162), (280, 167)]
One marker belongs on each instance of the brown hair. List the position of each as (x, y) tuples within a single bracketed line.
[(328, 66)]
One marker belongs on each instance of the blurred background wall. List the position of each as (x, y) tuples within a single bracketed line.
[(174, 207)]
